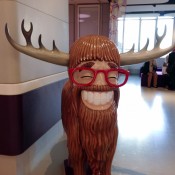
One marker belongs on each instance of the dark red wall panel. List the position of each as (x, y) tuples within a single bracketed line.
[(26, 117)]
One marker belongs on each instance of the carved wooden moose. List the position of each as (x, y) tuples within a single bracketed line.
[(90, 96)]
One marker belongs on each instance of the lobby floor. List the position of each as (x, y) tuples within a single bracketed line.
[(146, 120)]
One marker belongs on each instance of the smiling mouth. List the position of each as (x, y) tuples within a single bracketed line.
[(97, 100)]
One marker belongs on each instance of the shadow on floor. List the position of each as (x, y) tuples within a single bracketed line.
[(124, 171), (58, 154)]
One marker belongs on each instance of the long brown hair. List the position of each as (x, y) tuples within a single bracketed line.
[(92, 135)]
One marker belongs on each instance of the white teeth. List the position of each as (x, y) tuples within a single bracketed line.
[(90, 97), (97, 98), (84, 95), (103, 98)]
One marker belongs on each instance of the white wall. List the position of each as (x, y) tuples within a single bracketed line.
[(49, 18)]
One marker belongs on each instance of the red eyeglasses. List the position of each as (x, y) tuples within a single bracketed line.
[(82, 76)]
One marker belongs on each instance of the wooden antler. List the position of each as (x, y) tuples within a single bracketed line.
[(52, 56), (143, 55)]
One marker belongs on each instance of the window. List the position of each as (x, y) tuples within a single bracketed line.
[(136, 30), (161, 23), (131, 34), (88, 19), (147, 31)]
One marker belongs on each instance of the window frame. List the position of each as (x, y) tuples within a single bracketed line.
[(141, 18)]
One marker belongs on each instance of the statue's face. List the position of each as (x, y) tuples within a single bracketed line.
[(98, 74), (98, 100)]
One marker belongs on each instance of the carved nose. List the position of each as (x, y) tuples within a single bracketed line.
[(100, 79)]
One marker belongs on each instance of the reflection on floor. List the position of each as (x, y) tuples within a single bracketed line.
[(146, 119)]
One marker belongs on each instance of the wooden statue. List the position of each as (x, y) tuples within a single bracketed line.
[(90, 96)]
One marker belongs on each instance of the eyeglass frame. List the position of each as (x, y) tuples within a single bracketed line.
[(95, 72)]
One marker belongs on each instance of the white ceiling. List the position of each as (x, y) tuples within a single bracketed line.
[(152, 8)]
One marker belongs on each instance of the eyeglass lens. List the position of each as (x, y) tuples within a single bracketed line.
[(82, 76)]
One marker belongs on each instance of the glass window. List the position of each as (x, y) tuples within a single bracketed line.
[(120, 35), (131, 34), (89, 16), (161, 23), (134, 30), (147, 31)]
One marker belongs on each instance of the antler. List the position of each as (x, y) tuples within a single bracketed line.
[(143, 55), (52, 56)]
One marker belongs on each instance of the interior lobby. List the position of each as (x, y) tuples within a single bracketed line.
[(32, 138)]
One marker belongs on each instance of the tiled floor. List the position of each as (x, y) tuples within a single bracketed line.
[(146, 119)]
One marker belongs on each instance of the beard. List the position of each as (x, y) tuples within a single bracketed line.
[(98, 134), (92, 134)]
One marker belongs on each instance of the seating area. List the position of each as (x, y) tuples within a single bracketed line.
[(161, 79)]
